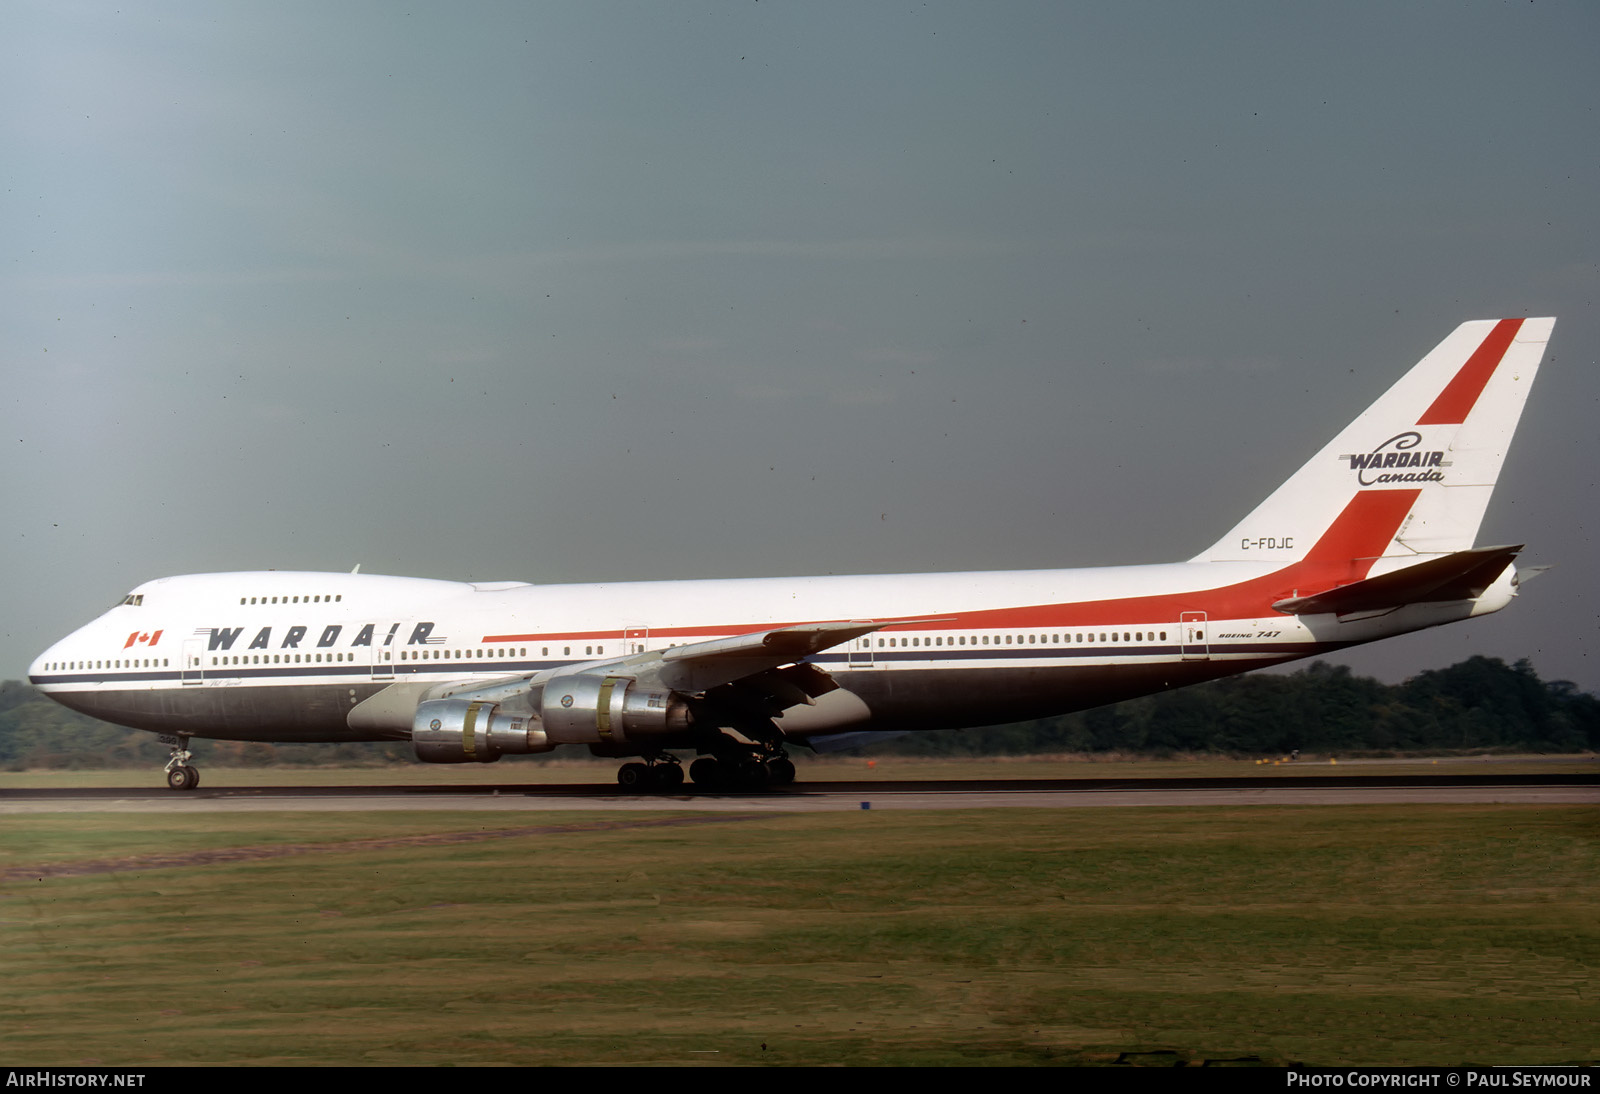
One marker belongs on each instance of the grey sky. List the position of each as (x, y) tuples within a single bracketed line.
[(570, 292)]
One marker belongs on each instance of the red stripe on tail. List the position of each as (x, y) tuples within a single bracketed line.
[(1455, 402), (1363, 531)]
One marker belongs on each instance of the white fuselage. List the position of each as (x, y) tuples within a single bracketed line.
[(287, 656)]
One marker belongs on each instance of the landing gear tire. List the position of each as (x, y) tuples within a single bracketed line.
[(753, 775), (181, 774), (667, 776), (706, 773), (633, 776), (780, 772)]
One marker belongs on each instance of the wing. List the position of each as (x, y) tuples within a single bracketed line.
[(703, 665), (653, 697)]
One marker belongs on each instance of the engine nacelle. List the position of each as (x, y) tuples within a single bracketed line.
[(609, 710), (455, 731)]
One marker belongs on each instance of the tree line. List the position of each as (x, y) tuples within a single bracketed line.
[(1480, 703)]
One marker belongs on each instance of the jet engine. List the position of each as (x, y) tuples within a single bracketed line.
[(608, 710), (454, 731), (577, 709)]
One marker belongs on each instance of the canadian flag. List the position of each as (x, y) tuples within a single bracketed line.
[(149, 638)]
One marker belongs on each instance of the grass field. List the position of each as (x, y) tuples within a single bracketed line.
[(1339, 935)]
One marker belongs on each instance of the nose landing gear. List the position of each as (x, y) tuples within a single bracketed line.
[(181, 774)]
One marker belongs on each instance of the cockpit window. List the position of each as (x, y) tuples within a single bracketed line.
[(133, 599)]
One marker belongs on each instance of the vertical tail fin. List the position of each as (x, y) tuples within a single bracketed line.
[(1432, 446)]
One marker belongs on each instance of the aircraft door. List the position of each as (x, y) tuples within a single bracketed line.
[(384, 653), (860, 651), (1192, 636), (635, 640), (193, 671)]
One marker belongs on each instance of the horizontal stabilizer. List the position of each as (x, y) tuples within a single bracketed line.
[(1463, 575)]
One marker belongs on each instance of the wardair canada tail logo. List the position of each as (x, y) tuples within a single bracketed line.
[(1398, 459)]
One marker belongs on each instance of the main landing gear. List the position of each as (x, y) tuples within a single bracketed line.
[(181, 774), (743, 770), (662, 772)]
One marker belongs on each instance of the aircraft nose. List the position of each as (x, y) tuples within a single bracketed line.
[(47, 663)]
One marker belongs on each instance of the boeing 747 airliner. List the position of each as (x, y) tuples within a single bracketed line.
[(1373, 537)]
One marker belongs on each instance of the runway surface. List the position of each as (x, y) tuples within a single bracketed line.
[(832, 796)]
